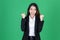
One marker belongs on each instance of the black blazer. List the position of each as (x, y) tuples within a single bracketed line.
[(25, 27)]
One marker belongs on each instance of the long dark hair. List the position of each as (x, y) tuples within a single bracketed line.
[(37, 10)]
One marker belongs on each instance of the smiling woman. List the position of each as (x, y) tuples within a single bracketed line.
[(32, 23)]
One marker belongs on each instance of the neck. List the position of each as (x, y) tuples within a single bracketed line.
[(32, 16)]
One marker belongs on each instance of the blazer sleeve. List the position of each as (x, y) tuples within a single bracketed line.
[(40, 26), (23, 24)]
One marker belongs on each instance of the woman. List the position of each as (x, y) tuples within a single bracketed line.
[(32, 23)]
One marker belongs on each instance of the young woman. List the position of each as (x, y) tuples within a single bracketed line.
[(32, 23)]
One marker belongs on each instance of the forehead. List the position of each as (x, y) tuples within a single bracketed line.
[(33, 7)]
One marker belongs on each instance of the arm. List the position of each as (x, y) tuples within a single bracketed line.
[(23, 24), (40, 26), (41, 22)]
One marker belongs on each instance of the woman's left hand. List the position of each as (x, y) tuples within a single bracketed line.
[(41, 17)]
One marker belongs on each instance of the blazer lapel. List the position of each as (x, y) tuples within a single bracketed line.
[(35, 24), (28, 24)]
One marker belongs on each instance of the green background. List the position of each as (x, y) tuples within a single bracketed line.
[(10, 18)]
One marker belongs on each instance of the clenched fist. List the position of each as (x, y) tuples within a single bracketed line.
[(41, 17), (23, 15)]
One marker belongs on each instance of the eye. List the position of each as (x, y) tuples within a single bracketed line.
[(30, 8)]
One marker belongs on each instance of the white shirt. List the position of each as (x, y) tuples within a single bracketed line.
[(31, 26)]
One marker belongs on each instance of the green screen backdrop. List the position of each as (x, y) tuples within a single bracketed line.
[(10, 18)]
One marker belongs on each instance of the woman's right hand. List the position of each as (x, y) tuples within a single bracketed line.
[(23, 15)]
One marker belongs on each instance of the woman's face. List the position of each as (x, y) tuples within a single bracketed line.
[(32, 10)]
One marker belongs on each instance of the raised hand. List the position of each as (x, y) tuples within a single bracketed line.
[(23, 15), (41, 17)]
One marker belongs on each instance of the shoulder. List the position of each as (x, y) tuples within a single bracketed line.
[(37, 18)]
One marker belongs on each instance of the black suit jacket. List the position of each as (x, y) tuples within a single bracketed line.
[(25, 27)]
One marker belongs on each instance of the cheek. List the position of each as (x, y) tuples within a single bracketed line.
[(35, 11), (29, 11), (32, 11)]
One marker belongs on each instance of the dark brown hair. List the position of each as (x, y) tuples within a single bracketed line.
[(37, 10)]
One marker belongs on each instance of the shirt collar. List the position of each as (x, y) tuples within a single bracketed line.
[(31, 18)]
